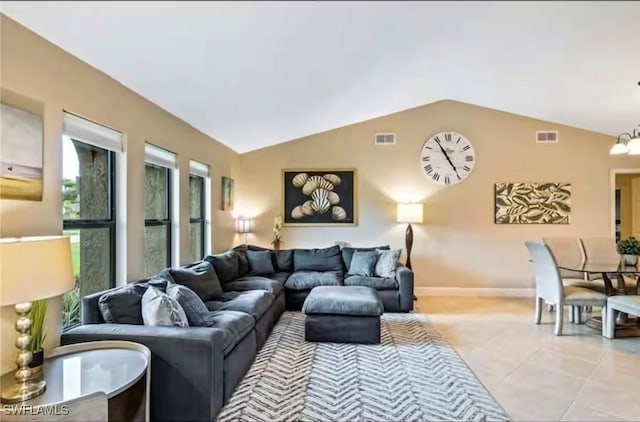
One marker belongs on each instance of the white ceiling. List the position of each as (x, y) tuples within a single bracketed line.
[(256, 74)]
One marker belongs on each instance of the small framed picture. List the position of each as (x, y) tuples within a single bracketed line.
[(227, 194)]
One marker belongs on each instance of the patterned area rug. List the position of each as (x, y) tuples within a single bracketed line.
[(413, 375)]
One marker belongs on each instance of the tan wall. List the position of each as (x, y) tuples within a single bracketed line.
[(54, 80), (458, 245)]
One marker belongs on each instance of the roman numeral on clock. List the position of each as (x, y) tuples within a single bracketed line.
[(428, 168), (466, 147), (466, 168), (468, 158), (447, 180), (447, 137), (427, 158), (436, 176)]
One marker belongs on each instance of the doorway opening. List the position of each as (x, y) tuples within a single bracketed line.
[(625, 201)]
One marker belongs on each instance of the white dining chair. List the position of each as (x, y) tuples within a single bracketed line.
[(549, 287), (603, 250)]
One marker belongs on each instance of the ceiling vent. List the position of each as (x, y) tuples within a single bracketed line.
[(547, 136), (385, 139)]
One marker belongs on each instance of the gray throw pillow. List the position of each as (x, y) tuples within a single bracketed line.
[(199, 277), (347, 253), (387, 263), (195, 309), (260, 262), (123, 305), (158, 309), (363, 263), (226, 265), (326, 259)]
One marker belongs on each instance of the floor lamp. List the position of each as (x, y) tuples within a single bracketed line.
[(409, 213)]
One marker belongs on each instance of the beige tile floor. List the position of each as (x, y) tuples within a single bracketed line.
[(534, 375)]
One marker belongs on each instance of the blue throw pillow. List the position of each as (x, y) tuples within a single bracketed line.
[(326, 259), (226, 265), (260, 262), (363, 263), (123, 305), (197, 313)]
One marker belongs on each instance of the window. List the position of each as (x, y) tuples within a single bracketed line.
[(89, 208), (158, 209), (199, 205)]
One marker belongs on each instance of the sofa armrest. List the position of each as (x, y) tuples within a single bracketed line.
[(404, 277), (186, 366)]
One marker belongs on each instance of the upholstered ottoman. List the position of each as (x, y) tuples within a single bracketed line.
[(342, 314)]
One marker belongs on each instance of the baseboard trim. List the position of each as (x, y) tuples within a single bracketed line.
[(474, 291)]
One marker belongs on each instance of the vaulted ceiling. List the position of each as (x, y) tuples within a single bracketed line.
[(255, 74)]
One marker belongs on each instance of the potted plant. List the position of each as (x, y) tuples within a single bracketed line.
[(629, 249), (37, 315), (277, 228)]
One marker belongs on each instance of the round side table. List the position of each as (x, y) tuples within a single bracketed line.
[(101, 380)]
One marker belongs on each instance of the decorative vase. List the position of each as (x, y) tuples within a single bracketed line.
[(631, 260)]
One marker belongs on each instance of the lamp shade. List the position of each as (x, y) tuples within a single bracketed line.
[(244, 225), (618, 149), (409, 213), (634, 146), (33, 268)]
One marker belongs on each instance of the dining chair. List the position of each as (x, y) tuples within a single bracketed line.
[(603, 250), (549, 287)]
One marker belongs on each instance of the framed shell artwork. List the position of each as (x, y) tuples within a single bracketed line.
[(319, 197)]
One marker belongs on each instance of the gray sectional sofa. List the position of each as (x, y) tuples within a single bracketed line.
[(196, 369)]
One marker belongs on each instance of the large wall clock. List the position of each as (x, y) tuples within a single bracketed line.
[(447, 158)]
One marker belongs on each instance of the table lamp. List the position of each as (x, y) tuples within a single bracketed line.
[(409, 213), (31, 268), (244, 227)]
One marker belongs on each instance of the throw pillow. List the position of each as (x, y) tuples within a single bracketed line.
[(284, 260), (158, 309), (199, 277), (243, 263), (122, 305), (196, 311), (347, 253), (260, 262), (363, 263), (387, 263), (225, 264), (326, 259)]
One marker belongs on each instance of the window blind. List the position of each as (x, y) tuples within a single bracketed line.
[(92, 133)]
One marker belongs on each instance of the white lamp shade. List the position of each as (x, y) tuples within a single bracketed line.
[(33, 268), (633, 146), (618, 149), (244, 225), (409, 213)]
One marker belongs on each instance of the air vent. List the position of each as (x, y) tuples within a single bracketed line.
[(547, 136), (385, 138)]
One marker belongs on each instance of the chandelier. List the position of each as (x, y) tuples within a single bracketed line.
[(632, 147)]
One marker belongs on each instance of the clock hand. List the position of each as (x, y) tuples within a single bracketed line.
[(448, 159)]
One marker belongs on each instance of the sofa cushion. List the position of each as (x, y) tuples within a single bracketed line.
[(284, 260), (343, 300), (199, 277), (280, 277), (253, 302), (225, 264), (256, 283), (307, 280), (195, 309), (260, 262), (159, 309), (387, 263), (378, 283), (347, 253), (235, 326), (243, 263), (327, 259), (123, 305), (363, 263)]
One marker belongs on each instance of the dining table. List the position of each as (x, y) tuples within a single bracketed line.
[(610, 272)]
